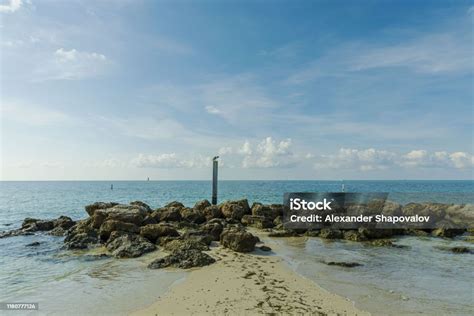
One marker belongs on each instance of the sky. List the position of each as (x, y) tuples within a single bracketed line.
[(330, 90)]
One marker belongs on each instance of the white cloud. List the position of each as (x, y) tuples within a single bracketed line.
[(245, 149), (212, 109), (72, 65), (373, 159), (33, 115), (225, 151), (11, 6), (170, 160)]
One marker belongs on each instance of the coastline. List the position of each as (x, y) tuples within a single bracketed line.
[(251, 284)]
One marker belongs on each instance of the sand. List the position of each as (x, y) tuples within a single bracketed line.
[(248, 284)]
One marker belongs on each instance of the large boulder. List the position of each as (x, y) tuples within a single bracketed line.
[(168, 214), (192, 215), (64, 222), (81, 236), (153, 231), (142, 204), (201, 205), (33, 225), (268, 211), (211, 212), (111, 225), (90, 209), (174, 204), (130, 246), (213, 229), (125, 213), (234, 209), (183, 259), (238, 240), (329, 233)]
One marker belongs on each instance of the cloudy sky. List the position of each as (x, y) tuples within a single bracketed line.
[(280, 90)]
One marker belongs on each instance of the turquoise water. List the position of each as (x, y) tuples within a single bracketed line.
[(420, 278)]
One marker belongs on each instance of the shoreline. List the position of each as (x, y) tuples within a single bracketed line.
[(248, 283)]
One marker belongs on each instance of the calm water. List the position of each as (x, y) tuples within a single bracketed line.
[(417, 279)]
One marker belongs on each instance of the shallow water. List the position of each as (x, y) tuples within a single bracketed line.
[(418, 279)]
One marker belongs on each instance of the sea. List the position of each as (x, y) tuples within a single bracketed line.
[(421, 278)]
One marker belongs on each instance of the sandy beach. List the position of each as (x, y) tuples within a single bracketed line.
[(248, 284)]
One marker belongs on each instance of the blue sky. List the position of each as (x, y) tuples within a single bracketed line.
[(279, 89)]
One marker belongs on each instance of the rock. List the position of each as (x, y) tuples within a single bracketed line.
[(183, 259), (185, 244), (57, 231), (170, 214), (64, 222), (233, 210), (436, 211), (417, 232), (256, 221), (201, 205), (98, 219), (343, 264), (271, 212), (149, 220), (237, 240), (385, 243), (113, 225), (265, 248), (198, 235), (38, 225), (174, 204), (153, 231), (214, 229), (90, 209), (461, 250), (211, 212), (354, 235), (130, 246), (33, 244), (329, 233), (81, 241), (372, 233), (312, 233), (447, 232), (278, 221), (133, 214), (142, 204), (283, 233), (192, 215)]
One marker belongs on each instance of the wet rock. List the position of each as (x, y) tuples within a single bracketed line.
[(343, 264), (312, 233), (256, 221), (283, 233), (81, 240), (385, 243), (198, 235), (90, 209), (265, 248), (373, 233), (142, 204), (461, 250), (417, 232), (192, 215), (328, 233), (153, 231), (354, 235), (33, 244), (238, 240), (201, 205), (114, 225), (130, 246), (211, 212), (57, 231), (183, 259), (63, 222), (447, 232)]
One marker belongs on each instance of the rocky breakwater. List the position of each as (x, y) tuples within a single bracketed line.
[(184, 234)]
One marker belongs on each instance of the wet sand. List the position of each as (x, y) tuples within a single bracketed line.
[(248, 284)]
